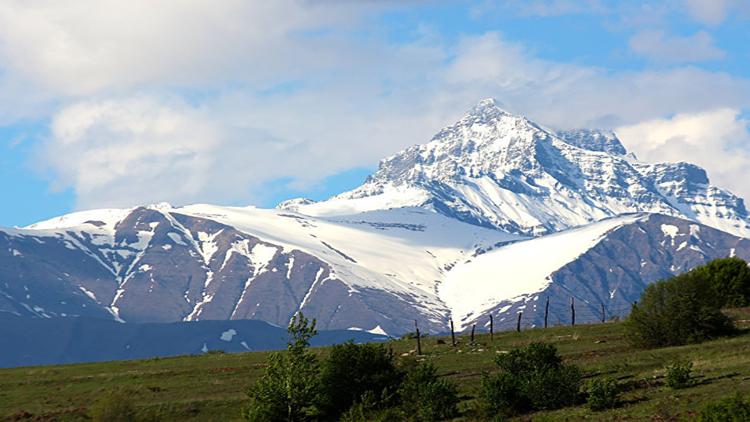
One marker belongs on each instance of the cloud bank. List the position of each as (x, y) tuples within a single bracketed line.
[(192, 101)]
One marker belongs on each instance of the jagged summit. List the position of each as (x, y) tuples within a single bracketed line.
[(496, 169), (594, 140)]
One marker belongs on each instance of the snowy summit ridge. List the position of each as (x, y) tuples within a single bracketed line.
[(500, 170)]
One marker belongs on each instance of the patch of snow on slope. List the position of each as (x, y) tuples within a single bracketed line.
[(228, 335), (176, 238), (518, 269), (261, 256), (88, 292), (208, 246), (378, 330), (670, 230)]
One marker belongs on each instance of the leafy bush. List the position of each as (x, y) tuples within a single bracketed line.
[(731, 409), (729, 279), (425, 397), (678, 375), (113, 406), (366, 411), (531, 378), (353, 370), (684, 309), (603, 393), (500, 395), (290, 388)]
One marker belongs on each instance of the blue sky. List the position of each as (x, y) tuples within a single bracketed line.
[(108, 105)]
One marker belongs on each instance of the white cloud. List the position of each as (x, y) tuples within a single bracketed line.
[(138, 149), (565, 95), (709, 12), (113, 152), (90, 46), (198, 101), (659, 47), (716, 139)]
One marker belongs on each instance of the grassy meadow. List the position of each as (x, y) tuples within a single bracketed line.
[(212, 387)]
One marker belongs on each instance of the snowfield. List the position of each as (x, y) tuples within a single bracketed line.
[(519, 269)]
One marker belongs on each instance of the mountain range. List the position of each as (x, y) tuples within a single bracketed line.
[(494, 215)]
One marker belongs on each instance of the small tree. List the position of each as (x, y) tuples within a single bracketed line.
[(729, 409), (603, 393), (355, 370), (531, 378), (730, 280), (679, 375), (289, 390), (425, 397), (684, 309)]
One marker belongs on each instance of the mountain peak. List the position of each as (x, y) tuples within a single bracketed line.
[(497, 169), (487, 108)]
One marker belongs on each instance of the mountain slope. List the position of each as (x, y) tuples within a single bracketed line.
[(42, 341), (610, 272), (374, 271), (498, 170)]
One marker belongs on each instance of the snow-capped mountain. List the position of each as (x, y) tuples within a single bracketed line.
[(493, 215), (375, 271), (495, 169)]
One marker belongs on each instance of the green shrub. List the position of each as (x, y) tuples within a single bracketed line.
[(531, 378), (678, 375), (364, 412), (113, 406), (353, 370), (729, 279), (603, 393), (425, 397), (684, 309), (500, 395), (731, 409), (553, 389), (289, 390)]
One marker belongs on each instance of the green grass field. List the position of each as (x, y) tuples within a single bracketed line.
[(212, 387)]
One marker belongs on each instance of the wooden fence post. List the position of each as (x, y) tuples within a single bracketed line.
[(453, 334), (546, 312), (472, 332), (572, 311), (419, 339), (492, 329), (603, 314), (518, 324)]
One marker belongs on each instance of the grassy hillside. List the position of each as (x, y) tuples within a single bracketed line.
[(211, 387)]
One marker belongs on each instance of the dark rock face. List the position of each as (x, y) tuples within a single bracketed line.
[(615, 271)]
